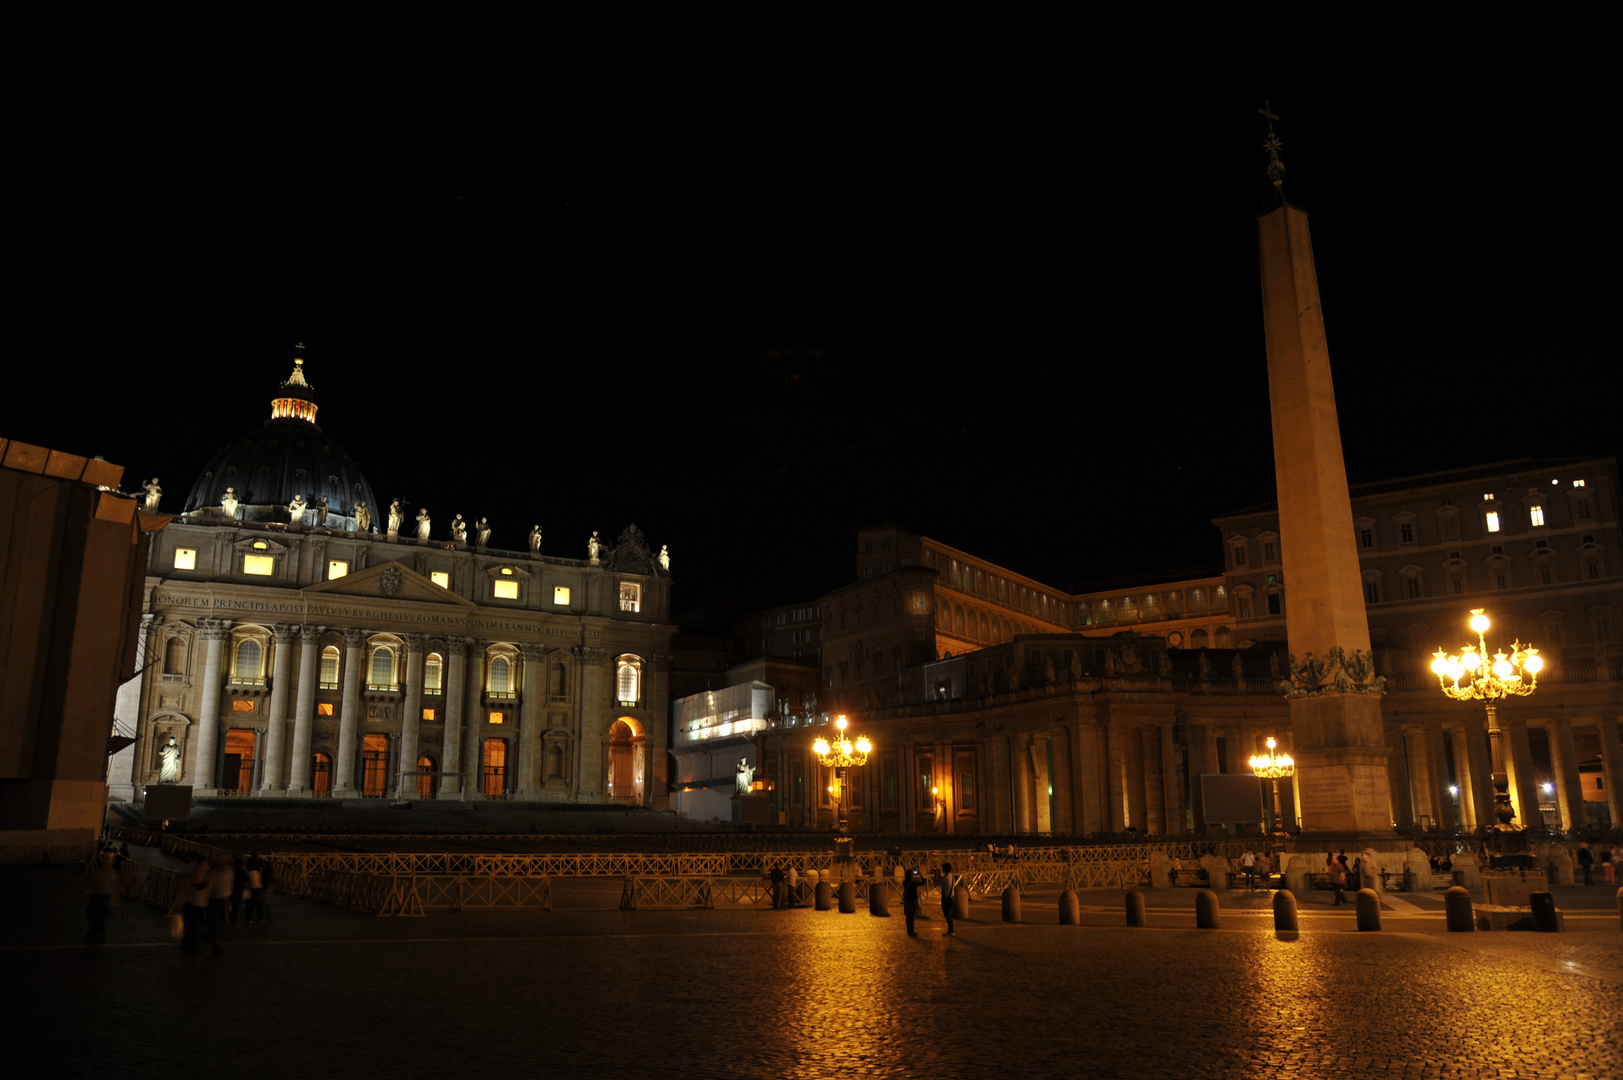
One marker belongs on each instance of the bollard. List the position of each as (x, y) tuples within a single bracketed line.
[(848, 897), (1206, 910), (1368, 906), (1457, 907), (960, 901), (824, 896), (1135, 909), (1070, 912), (1011, 904), (879, 899), (1285, 924), (1543, 905)]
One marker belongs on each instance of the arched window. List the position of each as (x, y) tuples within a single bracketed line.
[(500, 674), (329, 668), (246, 668), (383, 668), (1197, 639), (629, 680), (431, 673), (174, 657)]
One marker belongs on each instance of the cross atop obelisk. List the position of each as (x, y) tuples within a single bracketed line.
[(1276, 168)]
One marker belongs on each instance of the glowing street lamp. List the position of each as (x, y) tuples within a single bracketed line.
[(1275, 767), (841, 754), (1469, 675)]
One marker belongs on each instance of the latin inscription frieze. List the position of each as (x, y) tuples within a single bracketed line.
[(330, 611)]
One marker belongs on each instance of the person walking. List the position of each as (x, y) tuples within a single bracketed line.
[(949, 884), (1248, 863), (194, 911), (1607, 870), (257, 873), (1587, 861), (221, 876), (910, 898), (1338, 880)]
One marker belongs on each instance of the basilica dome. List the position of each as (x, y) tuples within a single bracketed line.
[(288, 457)]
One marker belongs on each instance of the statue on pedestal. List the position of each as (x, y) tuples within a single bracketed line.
[(535, 539), (321, 512), (459, 530), (746, 776), (665, 557), (1205, 666), (1239, 669), (169, 762), (482, 531), (295, 511), (422, 524), (395, 518), (363, 518), (228, 503), (154, 493), (593, 547)]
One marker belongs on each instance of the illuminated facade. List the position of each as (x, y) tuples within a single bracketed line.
[(301, 641)]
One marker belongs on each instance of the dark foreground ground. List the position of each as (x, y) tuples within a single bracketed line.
[(588, 991)]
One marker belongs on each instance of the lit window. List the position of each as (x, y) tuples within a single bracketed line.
[(499, 671), (431, 673), (506, 590), (383, 668), (185, 558), (263, 565), (630, 596), (1535, 515), (441, 578), (242, 705), (329, 667), (247, 666), (324, 708), (337, 568), (560, 595), (1493, 521), (428, 714), (1577, 483), (630, 681), (496, 718)]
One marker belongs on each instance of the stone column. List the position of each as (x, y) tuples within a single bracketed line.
[(1611, 756), (304, 715), (1465, 803), (592, 675), (656, 773), (1481, 765), (1437, 776), (1000, 790), (1149, 743), (349, 713), (1172, 788), (1399, 793), (529, 714), (1569, 791), (1523, 782), (1091, 814), (1133, 768), (451, 785), (1025, 821), (1116, 762), (411, 718), (1039, 767), (205, 764), (1060, 740), (473, 744), (281, 682), (257, 773)]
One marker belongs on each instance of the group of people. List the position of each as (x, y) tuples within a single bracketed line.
[(946, 884), (216, 891), (1254, 864), (1587, 860), (104, 891)]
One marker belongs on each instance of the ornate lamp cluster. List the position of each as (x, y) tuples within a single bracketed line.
[(1276, 767), (842, 753), (1484, 681)]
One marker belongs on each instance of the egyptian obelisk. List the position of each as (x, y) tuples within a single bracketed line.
[(1335, 700)]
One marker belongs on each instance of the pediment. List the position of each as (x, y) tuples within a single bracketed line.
[(391, 581)]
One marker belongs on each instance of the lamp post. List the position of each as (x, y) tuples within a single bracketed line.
[(1271, 766), (1471, 676), (840, 755)]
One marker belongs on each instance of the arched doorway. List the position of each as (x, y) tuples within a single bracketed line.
[(626, 765), (321, 775), (425, 777)]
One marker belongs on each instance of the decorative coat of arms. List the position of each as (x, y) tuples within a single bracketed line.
[(389, 581)]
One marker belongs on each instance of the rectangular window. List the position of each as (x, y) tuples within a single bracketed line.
[(1458, 583), (966, 783), (505, 589), (1268, 552), (926, 797), (1366, 538), (888, 793), (430, 714), (1535, 515), (1372, 592), (441, 578), (1493, 521), (262, 565), (1544, 575), (1239, 556), (1413, 587), (560, 595), (242, 705), (1583, 509), (1245, 607), (337, 568), (1273, 603), (1406, 531), (496, 718), (323, 708), (630, 596), (1451, 528), (1500, 581), (185, 558)]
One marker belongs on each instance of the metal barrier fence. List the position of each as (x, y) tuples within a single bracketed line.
[(290, 865)]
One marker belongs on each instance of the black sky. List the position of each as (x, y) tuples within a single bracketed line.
[(1028, 326)]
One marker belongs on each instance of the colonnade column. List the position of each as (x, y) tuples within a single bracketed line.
[(281, 678), (1569, 791), (1024, 783), (1043, 821), (1132, 759), (205, 769), (1400, 794), (349, 714), (1611, 756), (1523, 783), (411, 718), (1465, 802), (1149, 746), (1481, 766), (1064, 811), (304, 715), (1437, 776), (1085, 779), (473, 746), (999, 790), (1172, 787), (451, 784), (529, 714)]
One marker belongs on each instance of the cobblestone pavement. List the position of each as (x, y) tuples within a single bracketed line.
[(588, 991)]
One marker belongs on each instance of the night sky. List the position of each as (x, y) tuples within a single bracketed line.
[(1026, 325)]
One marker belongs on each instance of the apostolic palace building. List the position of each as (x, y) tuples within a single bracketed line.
[(299, 639)]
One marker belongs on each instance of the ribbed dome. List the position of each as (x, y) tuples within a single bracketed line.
[(289, 455)]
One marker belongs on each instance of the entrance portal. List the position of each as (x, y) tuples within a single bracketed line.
[(626, 763)]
